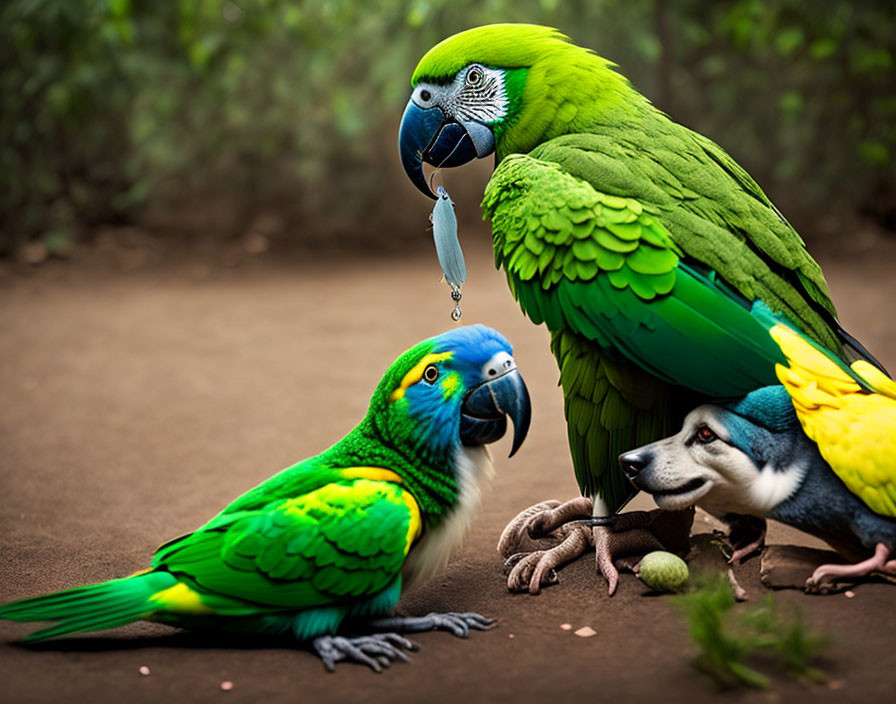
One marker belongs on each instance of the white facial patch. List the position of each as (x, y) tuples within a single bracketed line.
[(484, 102), (497, 366), (775, 485)]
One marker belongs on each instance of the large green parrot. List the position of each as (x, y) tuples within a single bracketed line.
[(639, 243), (331, 542)]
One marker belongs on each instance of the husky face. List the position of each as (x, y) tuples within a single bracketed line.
[(720, 460)]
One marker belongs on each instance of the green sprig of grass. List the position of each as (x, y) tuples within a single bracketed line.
[(727, 638)]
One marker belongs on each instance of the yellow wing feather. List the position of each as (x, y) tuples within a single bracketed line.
[(855, 430)]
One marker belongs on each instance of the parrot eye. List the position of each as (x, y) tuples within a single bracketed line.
[(705, 435), (474, 76), (431, 373)]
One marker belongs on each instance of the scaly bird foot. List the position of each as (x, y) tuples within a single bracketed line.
[(746, 534), (546, 536), (534, 570), (540, 539), (537, 526), (377, 650), (460, 624), (824, 577)]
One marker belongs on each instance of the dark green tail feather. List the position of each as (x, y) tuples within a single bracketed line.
[(91, 608)]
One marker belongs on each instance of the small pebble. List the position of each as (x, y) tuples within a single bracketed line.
[(837, 684), (227, 685), (510, 636), (586, 632), (144, 670), (566, 626), (849, 594)]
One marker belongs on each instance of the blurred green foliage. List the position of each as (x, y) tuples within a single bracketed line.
[(728, 636), (291, 106)]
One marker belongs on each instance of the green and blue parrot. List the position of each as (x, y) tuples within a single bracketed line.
[(639, 243), (332, 542)]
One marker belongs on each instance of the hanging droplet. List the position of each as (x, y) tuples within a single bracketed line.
[(456, 296)]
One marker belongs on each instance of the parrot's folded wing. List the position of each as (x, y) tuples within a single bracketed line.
[(607, 269), (713, 211), (345, 539)]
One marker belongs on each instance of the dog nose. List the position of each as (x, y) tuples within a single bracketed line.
[(633, 462)]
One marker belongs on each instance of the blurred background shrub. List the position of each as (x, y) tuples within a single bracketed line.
[(198, 117)]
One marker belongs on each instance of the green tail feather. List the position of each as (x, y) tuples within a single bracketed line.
[(90, 608)]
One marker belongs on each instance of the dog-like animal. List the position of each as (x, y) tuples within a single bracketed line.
[(751, 461)]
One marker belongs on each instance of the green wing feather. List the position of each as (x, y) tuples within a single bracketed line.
[(713, 211), (634, 312), (343, 540)]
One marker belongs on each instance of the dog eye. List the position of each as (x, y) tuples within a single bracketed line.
[(431, 373), (705, 435)]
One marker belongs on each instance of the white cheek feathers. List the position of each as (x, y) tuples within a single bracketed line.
[(486, 102)]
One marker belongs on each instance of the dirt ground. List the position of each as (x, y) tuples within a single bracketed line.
[(136, 404)]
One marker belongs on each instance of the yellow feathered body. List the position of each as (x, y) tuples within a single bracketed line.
[(853, 425)]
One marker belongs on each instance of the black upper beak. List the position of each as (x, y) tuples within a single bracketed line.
[(427, 134), (486, 408)]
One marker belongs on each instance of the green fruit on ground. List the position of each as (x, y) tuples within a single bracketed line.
[(663, 571)]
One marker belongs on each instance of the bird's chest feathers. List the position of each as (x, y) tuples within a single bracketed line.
[(474, 469)]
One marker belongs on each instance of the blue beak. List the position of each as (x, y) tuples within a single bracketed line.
[(487, 406), (427, 135)]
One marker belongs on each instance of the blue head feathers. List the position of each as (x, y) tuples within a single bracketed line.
[(762, 423), (769, 407), (458, 387), (472, 344)]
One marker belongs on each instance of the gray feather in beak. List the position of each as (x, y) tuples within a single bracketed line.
[(444, 233)]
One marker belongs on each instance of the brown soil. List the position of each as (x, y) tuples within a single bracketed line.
[(136, 404)]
